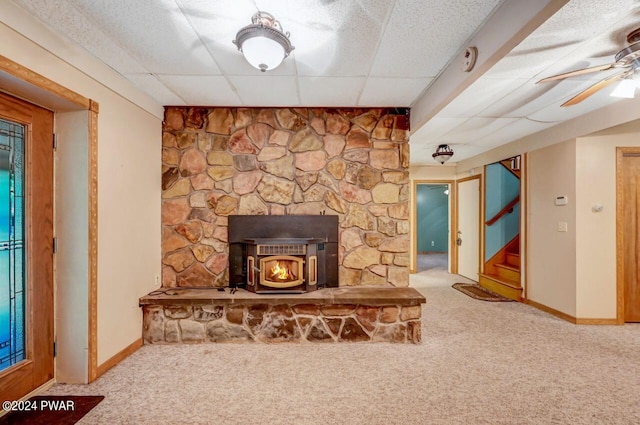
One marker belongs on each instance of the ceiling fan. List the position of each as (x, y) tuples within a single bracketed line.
[(627, 59)]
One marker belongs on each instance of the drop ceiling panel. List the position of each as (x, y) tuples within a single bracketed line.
[(435, 128), (596, 101), (266, 90), (202, 90), (514, 131), (400, 92), (78, 28), (482, 94), (337, 38), (156, 89), (321, 91), (423, 36), (158, 36), (531, 97), (474, 128)]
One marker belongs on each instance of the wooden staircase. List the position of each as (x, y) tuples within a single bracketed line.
[(502, 271)]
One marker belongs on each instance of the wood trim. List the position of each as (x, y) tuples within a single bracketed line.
[(466, 179), (453, 227), (619, 238), (508, 167), (553, 311), (569, 318), (481, 226), (620, 233), (93, 241), (120, 356), (598, 322), (524, 213), (414, 219), (31, 77)]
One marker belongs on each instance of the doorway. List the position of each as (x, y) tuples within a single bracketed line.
[(432, 226), (26, 252), (628, 194)]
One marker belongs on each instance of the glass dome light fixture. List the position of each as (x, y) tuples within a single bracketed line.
[(443, 154), (263, 43)]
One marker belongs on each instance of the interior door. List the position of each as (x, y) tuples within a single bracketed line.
[(26, 247), (631, 226), (468, 237)]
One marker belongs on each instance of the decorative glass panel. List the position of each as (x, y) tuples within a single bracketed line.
[(12, 283)]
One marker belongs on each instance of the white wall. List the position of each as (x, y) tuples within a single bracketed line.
[(552, 254), (129, 178)]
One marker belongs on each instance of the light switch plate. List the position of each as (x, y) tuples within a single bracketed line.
[(563, 226)]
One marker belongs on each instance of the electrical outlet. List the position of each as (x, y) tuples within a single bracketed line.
[(157, 280), (433, 243), (563, 226)]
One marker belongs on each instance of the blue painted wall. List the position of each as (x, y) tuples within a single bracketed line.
[(501, 187), (432, 218)]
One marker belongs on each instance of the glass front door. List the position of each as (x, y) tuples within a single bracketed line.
[(26, 247), (12, 282)]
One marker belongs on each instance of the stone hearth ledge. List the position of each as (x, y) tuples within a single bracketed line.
[(345, 314)]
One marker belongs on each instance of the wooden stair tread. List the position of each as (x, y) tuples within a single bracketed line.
[(507, 282), (508, 267), (513, 259)]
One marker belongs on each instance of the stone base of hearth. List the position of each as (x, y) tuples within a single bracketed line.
[(353, 314)]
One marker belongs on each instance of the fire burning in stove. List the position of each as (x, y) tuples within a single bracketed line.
[(281, 272)]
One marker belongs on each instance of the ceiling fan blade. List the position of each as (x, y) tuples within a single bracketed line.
[(594, 88), (578, 72)]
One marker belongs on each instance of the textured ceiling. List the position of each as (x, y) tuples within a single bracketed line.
[(357, 53)]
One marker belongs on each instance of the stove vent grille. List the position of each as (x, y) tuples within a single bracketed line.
[(277, 249)]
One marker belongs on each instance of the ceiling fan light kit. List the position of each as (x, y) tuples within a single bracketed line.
[(626, 89), (443, 154), (627, 59), (263, 43)]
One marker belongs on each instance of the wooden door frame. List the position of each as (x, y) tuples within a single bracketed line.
[(414, 220), (44, 84), (37, 367), (480, 178), (620, 152)]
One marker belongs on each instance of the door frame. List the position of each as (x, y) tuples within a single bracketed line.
[(480, 178), (414, 221), (40, 90), (620, 298), (37, 367)]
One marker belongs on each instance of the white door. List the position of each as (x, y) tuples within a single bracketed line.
[(469, 228)]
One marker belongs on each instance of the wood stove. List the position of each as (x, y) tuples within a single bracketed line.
[(280, 264), (283, 254)]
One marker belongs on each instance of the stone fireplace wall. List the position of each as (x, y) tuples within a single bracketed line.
[(353, 163)]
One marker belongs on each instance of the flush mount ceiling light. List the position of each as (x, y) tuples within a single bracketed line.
[(443, 154), (263, 43)]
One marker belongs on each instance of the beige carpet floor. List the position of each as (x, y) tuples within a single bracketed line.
[(479, 363)]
